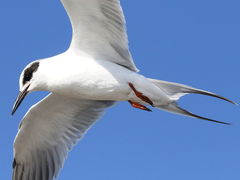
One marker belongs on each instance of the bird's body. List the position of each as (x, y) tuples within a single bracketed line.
[(81, 76), (95, 72)]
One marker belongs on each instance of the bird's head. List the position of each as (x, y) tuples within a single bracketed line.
[(27, 83)]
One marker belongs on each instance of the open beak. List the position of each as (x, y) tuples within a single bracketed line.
[(21, 95)]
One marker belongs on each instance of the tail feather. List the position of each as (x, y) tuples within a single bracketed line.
[(174, 108), (175, 91)]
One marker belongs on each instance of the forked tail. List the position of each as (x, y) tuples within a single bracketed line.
[(175, 91)]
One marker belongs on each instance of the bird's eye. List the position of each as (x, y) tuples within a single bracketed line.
[(28, 73)]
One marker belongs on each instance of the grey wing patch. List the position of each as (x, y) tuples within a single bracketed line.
[(116, 25), (113, 12), (124, 54)]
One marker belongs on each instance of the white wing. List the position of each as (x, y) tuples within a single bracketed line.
[(48, 131), (99, 30)]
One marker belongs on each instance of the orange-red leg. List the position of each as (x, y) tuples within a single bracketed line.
[(140, 95), (139, 106)]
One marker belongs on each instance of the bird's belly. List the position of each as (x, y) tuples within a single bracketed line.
[(99, 90), (99, 84)]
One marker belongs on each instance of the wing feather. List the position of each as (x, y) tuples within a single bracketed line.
[(99, 30), (47, 133)]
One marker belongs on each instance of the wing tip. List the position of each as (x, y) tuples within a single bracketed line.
[(14, 163)]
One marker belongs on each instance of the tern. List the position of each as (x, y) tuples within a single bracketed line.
[(95, 72)]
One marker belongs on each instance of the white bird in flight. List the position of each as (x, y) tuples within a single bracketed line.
[(95, 72)]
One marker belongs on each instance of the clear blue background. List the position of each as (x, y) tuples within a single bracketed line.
[(191, 42)]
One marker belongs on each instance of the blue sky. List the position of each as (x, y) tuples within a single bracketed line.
[(192, 42)]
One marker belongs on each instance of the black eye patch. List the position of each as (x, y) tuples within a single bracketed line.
[(28, 73)]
